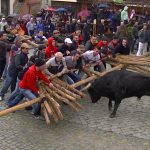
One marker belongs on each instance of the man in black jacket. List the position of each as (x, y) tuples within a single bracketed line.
[(90, 45), (122, 48), (3, 51), (17, 64), (67, 47)]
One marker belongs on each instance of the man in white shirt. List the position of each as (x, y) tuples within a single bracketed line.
[(93, 57)]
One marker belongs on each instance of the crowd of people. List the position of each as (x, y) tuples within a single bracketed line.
[(65, 48)]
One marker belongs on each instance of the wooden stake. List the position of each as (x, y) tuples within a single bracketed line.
[(87, 80), (20, 106), (45, 114)]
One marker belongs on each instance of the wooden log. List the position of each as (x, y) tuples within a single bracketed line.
[(137, 70), (93, 72), (20, 106), (55, 115), (87, 72), (45, 114), (60, 98), (56, 107), (77, 104), (66, 91), (47, 107), (26, 39), (62, 93), (65, 85), (87, 80)]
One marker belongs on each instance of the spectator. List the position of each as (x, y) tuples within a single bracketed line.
[(75, 41), (135, 31), (30, 27), (40, 38), (18, 30), (3, 52), (132, 14), (90, 45), (78, 32), (41, 52), (86, 32), (2, 24), (67, 47), (124, 15), (121, 31), (113, 44), (40, 26), (73, 26), (122, 48), (58, 39), (143, 41), (49, 28), (15, 49), (102, 27), (51, 48), (17, 64)]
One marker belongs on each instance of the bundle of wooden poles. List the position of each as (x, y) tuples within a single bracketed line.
[(139, 64), (51, 99)]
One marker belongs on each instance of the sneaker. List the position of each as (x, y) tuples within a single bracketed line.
[(39, 117), (1, 98)]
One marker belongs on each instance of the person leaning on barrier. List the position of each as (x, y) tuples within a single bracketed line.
[(56, 64), (93, 60)]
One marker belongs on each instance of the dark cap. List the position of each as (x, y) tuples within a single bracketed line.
[(39, 62)]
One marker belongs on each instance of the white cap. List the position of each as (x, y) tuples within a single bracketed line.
[(68, 40)]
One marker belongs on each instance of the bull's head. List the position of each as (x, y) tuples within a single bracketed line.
[(95, 96)]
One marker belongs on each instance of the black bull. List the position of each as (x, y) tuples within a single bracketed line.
[(118, 85)]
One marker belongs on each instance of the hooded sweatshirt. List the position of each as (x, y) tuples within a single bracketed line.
[(30, 79), (124, 14), (51, 50)]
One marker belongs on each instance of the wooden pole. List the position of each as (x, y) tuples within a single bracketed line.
[(87, 80), (45, 114), (69, 87), (20, 106)]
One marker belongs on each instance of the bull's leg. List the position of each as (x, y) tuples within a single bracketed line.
[(110, 104), (113, 114)]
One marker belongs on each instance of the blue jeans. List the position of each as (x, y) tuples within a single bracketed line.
[(15, 99), (30, 95), (67, 79), (16, 96), (6, 85), (75, 77)]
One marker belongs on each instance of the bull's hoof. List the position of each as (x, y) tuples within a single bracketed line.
[(112, 115)]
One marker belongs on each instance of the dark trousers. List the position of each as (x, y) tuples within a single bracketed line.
[(132, 45), (2, 66)]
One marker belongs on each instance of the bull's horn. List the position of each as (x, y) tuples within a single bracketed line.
[(86, 87)]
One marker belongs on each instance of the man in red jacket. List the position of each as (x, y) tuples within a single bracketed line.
[(28, 84)]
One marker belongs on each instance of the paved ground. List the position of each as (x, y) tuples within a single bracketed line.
[(89, 129)]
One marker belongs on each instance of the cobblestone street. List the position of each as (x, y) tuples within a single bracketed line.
[(89, 129)]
